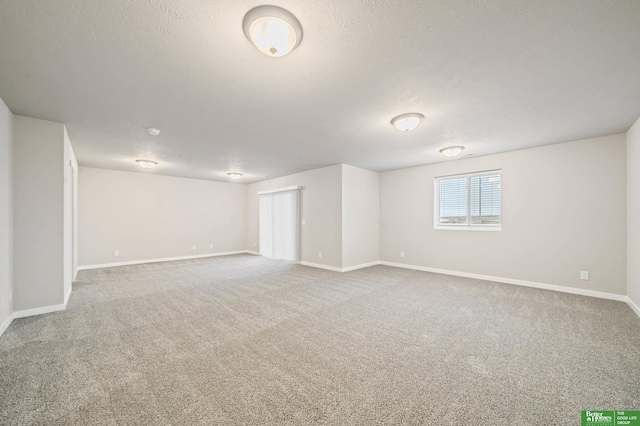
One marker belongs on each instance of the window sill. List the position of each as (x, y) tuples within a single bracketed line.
[(466, 228)]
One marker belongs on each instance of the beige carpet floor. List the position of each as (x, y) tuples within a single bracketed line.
[(250, 341)]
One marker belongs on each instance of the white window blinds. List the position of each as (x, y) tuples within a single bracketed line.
[(279, 225), (469, 200), (453, 200), (485, 199)]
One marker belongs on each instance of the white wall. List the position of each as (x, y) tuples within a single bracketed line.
[(6, 213), (147, 216), (563, 211), (38, 215), (321, 208), (70, 182), (360, 216), (633, 213)]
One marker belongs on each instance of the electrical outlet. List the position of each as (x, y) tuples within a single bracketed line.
[(116, 253), (584, 275), (401, 254), (193, 247), (210, 245), (320, 254), (304, 222), (255, 244), (10, 294)]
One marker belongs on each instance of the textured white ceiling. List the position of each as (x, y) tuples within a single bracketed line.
[(491, 75)]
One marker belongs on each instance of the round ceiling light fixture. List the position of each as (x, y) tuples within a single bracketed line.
[(153, 132), (146, 164), (452, 151), (272, 29), (234, 175), (407, 122)]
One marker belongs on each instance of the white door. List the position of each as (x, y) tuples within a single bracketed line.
[(279, 230)]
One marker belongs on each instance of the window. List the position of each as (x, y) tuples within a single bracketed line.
[(469, 201)]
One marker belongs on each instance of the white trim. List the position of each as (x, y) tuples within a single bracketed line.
[(336, 269), (319, 266), (6, 324), (360, 266), (286, 188), (257, 253), (633, 306), (478, 173), (562, 289), (164, 259), (39, 311), (67, 297), (467, 228), (35, 311)]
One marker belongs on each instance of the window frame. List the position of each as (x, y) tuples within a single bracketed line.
[(468, 227)]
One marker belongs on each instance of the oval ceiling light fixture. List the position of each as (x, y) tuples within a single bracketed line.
[(452, 151), (272, 29), (407, 122), (146, 164), (234, 175), (153, 132)]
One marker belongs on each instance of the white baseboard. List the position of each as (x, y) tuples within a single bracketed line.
[(35, 311), (336, 269), (30, 313), (6, 324), (164, 259), (320, 266), (39, 311), (257, 253), (67, 297), (633, 306), (563, 289), (361, 266)]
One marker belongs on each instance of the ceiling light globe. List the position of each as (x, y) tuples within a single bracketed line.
[(407, 122), (146, 164), (452, 151), (273, 30), (234, 175)]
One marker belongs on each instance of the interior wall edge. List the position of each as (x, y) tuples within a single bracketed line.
[(633, 213)]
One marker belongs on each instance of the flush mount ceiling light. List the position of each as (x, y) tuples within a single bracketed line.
[(153, 132), (234, 175), (273, 30), (146, 164), (452, 151), (407, 122)]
